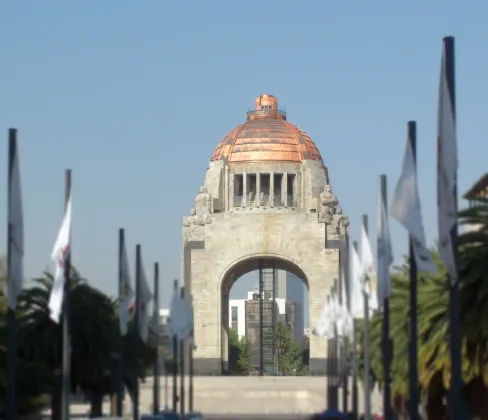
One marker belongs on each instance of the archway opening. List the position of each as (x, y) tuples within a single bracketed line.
[(265, 318)]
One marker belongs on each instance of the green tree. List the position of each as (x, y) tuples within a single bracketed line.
[(239, 354), (94, 329), (31, 375)]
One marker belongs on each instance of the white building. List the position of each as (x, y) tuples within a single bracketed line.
[(237, 312), (163, 316)]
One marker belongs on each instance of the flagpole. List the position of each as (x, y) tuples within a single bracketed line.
[(66, 378), (11, 390), (345, 345), (137, 338), (333, 377), (120, 364), (367, 387), (386, 344), (182, 366), (456, 401), (156, 340), (413, 348), (355, 370), (175, 359), (190, 368)]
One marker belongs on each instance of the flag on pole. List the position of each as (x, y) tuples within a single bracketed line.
[(357, 301), (15, 263), (367, 260), (127, 293), (406, 209), (146, 297), (368, 272), (447, 166), (385, 254), (325, 324), (60, 252), (181, 317)]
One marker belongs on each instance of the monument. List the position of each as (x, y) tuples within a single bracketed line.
[(267, 201)]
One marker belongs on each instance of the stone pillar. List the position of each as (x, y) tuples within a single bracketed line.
[(284, 189), (258, 189), (271, 189), (226, 189), (231, 191), (244, 189)]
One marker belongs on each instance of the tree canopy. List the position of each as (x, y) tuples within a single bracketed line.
[(433, 323)]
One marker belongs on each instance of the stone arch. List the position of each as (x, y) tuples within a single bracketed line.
[(287, 263), (236, 269)]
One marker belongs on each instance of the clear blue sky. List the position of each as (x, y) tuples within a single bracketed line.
[(134, 97)]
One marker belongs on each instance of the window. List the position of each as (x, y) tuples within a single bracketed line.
[(290, 190), (234, 314), (264, 189), (251, 189), (277, 189), (238, 189)]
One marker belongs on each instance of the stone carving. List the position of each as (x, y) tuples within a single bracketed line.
[(201, 214), (328, 203), (340, 223), (203, 202)]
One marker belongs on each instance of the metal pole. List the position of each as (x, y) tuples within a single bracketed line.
[(457, 403), (66, 395), (355, 355), (120, 362), (334, 356), (412, 347), (343, 260), (175, 364), (166, 391), (11, 389), (385, 340), (190, 385), (137, 340), (156, 402), (182, 364), (367, 386), (273, 322), (261, 319)]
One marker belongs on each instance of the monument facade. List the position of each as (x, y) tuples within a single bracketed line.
[(267, 201)]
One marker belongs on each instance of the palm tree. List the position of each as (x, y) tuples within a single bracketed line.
[(93, 327)]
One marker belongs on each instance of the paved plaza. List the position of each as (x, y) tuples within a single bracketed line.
[(222, 396)]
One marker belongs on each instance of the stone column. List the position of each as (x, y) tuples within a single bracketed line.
[(226, 189), (258, 189), (284, 189), (271, 189), (244, 189), (231, 191)]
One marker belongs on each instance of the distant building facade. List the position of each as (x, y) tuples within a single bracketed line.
[(479, 190)]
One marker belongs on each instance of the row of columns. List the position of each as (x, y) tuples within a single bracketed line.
[(284, 189)]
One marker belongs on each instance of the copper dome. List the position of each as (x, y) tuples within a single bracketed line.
[(266, 136)]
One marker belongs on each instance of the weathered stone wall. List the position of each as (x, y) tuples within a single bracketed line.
[(220, 246)]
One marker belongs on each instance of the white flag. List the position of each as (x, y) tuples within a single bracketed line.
[(325, 324), (61, 250), (385, 254), (406, 209), (447, 165), (15, 263), (357, 299), (145, 298), (126, 293), (367, 260), (181, 317)]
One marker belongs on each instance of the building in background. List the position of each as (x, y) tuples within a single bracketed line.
[(479, 190), (237, 316), (291, 289)]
